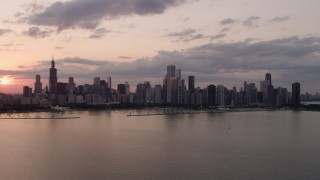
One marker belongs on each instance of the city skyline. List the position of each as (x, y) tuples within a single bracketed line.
[(219, 42), (174, 91)]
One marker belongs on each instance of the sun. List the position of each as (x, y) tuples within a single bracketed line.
[(4, 80)]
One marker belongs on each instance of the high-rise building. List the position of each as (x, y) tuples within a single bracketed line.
[(171, 70), (127, 88), (157, 94), (296, 93), (38, 85), (53, 79), (139, 93), (191, 86), (121, 89), (281, 96), (211, 95), (250, 94), (149, 95), (62, 88), (181, 91), (71, 81), (264, 87), (270, 96), (96, 81), (109, 82), (71, 87), (27, 91), (268, 78), (220, 95)]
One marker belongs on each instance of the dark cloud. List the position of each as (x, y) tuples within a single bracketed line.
[(7, 45), (99, 33), (129, 26), (183, 33), (228, 21), (186, 35), (34, 7), (281, 19), (186, 19), (218, 36), (18, 14), (290, 59), (88, 14), (125, 57), (21, 67), (4, 31), (36, 32), (81, 61), (251, 21), (225, 30)]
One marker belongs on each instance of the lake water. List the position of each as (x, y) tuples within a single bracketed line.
[(110, 145)]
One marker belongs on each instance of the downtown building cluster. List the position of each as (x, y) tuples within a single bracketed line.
[(174, 91)]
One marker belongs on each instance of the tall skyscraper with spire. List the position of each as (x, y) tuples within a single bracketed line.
[(53, 79), (268, 77)]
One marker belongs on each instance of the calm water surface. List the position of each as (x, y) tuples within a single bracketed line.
[(110, 145)]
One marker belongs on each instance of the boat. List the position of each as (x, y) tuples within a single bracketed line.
[(58, 109)]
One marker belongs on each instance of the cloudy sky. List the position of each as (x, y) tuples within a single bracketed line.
[(219, 41)]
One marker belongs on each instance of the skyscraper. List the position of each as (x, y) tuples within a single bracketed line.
[(296, 93), (109, 82), (27, 91), (270, 95), (212, 95), (171, 70), (38, 85), (268, 78), (127, 88), (264, 87), (53, 79), (220, 100), (96, 81), (157, 94), (71, 81), (191, 83), (121, 89)]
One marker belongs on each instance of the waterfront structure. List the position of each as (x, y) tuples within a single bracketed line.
[(296, 93), (53, 79), (38, 85)]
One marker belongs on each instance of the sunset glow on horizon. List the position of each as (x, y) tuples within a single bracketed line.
[(5, 80), (132, 41)]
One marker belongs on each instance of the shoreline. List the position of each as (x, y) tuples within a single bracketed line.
[(32, 109)]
